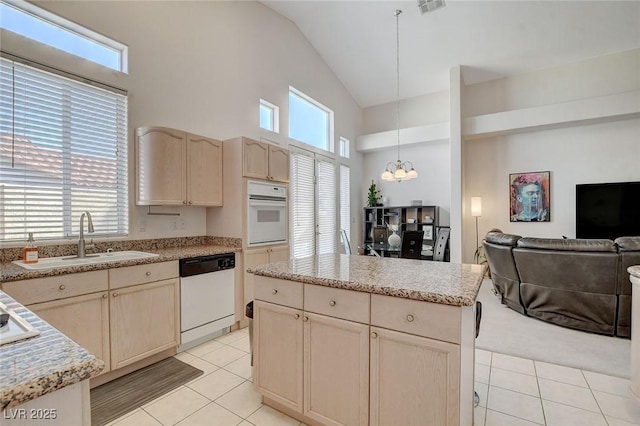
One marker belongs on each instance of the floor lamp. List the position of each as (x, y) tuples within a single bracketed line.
[(476, 211)]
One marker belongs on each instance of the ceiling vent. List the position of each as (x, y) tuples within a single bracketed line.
[(426, 6)]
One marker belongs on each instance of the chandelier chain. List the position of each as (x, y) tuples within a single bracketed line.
[(397, 13)]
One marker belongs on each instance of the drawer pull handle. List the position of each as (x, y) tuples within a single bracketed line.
[(296, 316), (104, 296), (115, 294), (374, 334), (148, 273), (305, 319), (332, 303), (410, 318), (62, 287), (274, 291)]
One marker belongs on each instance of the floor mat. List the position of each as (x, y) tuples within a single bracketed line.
[(125, 394)]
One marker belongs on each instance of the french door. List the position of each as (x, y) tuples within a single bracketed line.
[(312, 193)]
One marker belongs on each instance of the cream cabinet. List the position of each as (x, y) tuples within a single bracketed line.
[(75, 304), (84, 319), (260, 256), (323, 374), (177, 168), (143, 321), (414, 380), (367, 359), (278, 353), (264, 161)]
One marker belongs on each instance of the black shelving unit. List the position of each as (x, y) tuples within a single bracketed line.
[(408, 218)]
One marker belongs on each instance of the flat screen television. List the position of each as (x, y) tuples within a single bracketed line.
[(608, 210)]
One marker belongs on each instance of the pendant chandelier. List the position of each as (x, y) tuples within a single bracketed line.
[(399, 170)]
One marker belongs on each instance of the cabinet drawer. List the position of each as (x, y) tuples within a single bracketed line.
[(141, 274), (39, 290), (336, 302), (281, 292), (441, 322)]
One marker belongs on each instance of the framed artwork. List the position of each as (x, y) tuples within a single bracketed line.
[(529, 197), (428, 232)]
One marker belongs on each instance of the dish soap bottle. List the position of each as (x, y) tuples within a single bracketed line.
[(30, 252)]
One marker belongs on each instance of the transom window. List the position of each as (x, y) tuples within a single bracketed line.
[(269, 116), (344, 147), (63, 150), (310, 121), (40, 25)]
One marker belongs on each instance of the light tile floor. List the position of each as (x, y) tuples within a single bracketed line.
[(513, 391)]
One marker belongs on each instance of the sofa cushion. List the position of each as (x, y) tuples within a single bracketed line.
[(568, 244), (502, 239), (628, 243)]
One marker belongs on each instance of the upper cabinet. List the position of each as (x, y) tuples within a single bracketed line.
[(177, 168), (264, 161)]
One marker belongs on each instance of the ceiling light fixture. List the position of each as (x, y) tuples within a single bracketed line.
[(399, 170)]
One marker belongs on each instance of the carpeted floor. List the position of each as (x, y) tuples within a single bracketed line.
[(125, 394), (508, 332)]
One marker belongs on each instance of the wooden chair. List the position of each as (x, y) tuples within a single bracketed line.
[(440, 247), (411, 244)]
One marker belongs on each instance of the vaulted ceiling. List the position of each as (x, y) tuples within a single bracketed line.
[(492, 39)]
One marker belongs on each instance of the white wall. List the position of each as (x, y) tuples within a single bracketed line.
[(202, 67)]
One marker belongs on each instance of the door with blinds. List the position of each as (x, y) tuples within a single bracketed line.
[(312, 193)]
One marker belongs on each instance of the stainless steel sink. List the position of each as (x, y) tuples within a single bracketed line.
[(68, 261)]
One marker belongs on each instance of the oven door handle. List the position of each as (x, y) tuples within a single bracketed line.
[(264, 203)]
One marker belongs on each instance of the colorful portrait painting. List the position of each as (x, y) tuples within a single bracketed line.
[(529, 197)]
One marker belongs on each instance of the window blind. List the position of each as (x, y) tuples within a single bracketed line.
[(63, 147), (326, 211), (345, 199), (301, 189)]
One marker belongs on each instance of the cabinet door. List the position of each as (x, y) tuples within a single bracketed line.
[(144, 321), (278, 353), (161, 166), (336, 371), (277, 254), (204, 171), (278, 164), (84, 319), (414, 380), (253, 257), (255, 163)]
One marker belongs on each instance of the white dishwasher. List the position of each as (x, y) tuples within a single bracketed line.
[(207, 289)]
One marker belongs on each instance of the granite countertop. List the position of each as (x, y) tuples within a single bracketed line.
[(42, 364), (438, 282), (634, 271), (12, 272)]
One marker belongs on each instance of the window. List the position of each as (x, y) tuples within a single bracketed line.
[(37, 24), (313, 204), (345, 199), (309, 121), (269, 116), (63, 150), (344, 147)]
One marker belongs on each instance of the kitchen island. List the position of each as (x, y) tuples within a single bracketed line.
[(44, 379), (359, 340)]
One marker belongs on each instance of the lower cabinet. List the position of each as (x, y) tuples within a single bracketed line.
[(143, 321), (84, 319), (312, 364), (261, 256), (414, 380)]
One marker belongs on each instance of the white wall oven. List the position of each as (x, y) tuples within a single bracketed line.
[(266, 213)]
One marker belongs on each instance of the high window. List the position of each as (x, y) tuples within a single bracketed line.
[(269, 116), (310, 121), (63, 147), (30, 21), (344, 147)]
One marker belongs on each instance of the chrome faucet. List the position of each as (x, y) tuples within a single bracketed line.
[(81, 243)]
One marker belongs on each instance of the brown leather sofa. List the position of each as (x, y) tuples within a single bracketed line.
[(576, 283)]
